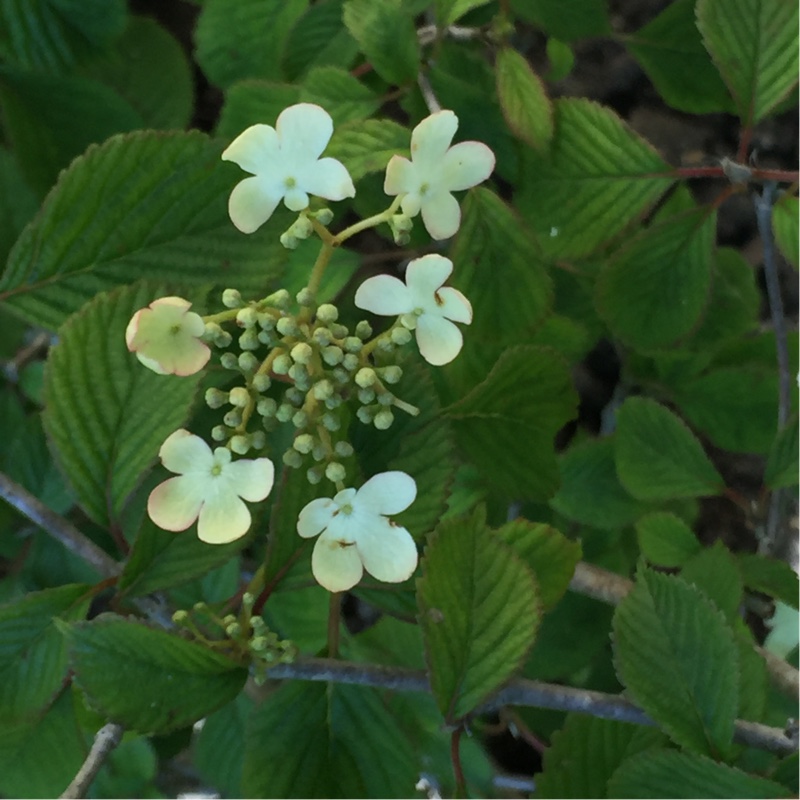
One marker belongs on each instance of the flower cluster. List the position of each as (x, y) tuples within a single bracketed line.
[(296, 363)]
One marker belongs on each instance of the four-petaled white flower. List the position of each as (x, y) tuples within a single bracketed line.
[(166, 337), (355, 534), (427, 305), (436, 170), (209, 488), (286, 165)]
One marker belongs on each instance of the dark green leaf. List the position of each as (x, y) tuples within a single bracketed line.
[(786, 228), (343, 96), (666, 540), (575, 20), (752, 674), (781, 469), (17, 202), (787, 773), (252, 102), (365, 147), (770, 576), (716, 574)]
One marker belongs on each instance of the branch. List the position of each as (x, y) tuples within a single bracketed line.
[(520, 692), (106, 739)]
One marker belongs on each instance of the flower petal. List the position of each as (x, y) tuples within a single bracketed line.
[(255, 150), (327, 178), (253, 478), (385, 295), (336, 567), (425, 276), (453, 305), (185, 356), (388, 553), (430, 140), (175, 504), (183, 452), (441, 215), (315, 517), (152, 364), (304, 131), (438, 339), (411, 204), (465, 165), (401, 176), (387, 493), (223, 518), (252, 202)]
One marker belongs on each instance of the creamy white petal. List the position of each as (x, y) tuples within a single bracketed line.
[(453, 305), (337, 567), (466, 164), (175, 504), (255, 150), (152, 364), (295, 199), (387, 493), (385, 295), (184, 452), (388, 552), (223, 518), (424, 276), (304, 131), (316, 516), (401, 177), (441, 215), (252, 202), (253, 478), (185, 356), (431, 138), (327, 178), (411, 204), (438, 339)]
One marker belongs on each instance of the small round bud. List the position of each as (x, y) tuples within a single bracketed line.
[(246, 317), (298, 373), (319, 452), (409, 321), (314, 475), (289, 241), (287, 326), (401, 223), (385, 399), (219, 433), (180, 617), (268, 338), (248, 363), (258, 643), (339, 331), (391, 374), (335, 472), (366, 396), (223, 339), (240, 444), (239, 397), (249, 340), (323, 389), (248, 600), (261, 382), (215, 398), (302, 353), (293, 459), (384, 345), (331, 422), (266, 407), (233, 418), (258, 440), (327, 313), (363, 330), (383, 419), (282, 364), (229, 361), (366, 414), (400, 238), (302, 227), (265, 321), (229, 619), (324, 216), (322, 336), (365, 377), (341, 376), (232, 298), (211, 331), (233, 630), (284, 412), (305, 297), (343, 449), (332, 355), (279, 299), (334, 402), (294, 396), (352, 344), (300, 420), (350, 362), (269, 424), (400, 336), (304, 443)]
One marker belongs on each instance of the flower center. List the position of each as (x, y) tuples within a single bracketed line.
[(424, 188), (290, 182), (346, 509), (175, 329), (216, 470)]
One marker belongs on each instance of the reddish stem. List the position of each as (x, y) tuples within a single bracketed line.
[(780, 175), (455, 757)]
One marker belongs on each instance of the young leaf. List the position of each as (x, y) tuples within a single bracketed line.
[(716, 574), (672, 773), (781, 469), (786, 228), (598, 178), (479, 611), (254, 101), (770, 576), (753, 680), (523, 98), (666, 540), (448, 11), (566, 21), (658, 457), (365, 147), (106, 414), (146, 679), (754, 45), (343, 96), (676, 656), (653, 291)]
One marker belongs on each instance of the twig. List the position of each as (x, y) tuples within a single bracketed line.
[(106, 739), (520, 692), (428, 33), (428, 95)]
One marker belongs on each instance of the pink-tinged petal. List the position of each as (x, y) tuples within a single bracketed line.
[(183, 452), (179, 303), (187, 356), (133, 329), (252, 202), (152, 364), (441, 215), (327, 178), (252, 478), (175, 504), (438, 339), (401, 176), (385, 295), (425, 275), (316, 516), (304, 131), (336, 567), (295, 199), (223, 518), (388, 553), (387, 493), (453, 305), (255, 150), (466, 165), (430, 140)]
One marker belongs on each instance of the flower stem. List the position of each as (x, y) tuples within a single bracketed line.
[(455, 757), (334, 620), (369, 222), (222, 316)]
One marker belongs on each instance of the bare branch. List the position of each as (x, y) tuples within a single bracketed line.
[(428, 95), (106, 739)]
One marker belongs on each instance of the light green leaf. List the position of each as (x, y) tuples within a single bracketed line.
[(716, 574), (566, 21), (33, 653), (367, 146), (385, 30), (325, 740), (597, 179), (658, 457), (524, 100), (168, 682), (105, 413), (786, 228), (676, 656), (754, 45), (666, 540), (343, 96), (782, 468), (479, 612), (653, 290), (448, 11), (239, 39), (753, 680), (770, 576), (254, 101), (110, 222), (671, 773)]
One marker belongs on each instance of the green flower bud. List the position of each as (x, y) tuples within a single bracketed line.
[(223, 339), (314, 475), (305, 297), (391, 374), (294, 396), (366, 396), (324, 216), (365, 377), (327, 313), (299, 374), (332, 355), (215, 398), (287, 326), (248, 600), (350, 362), (323, 389), (240, 444), (339, 331), (409, 321), (400, 336), (248, 363), (293, 459), (233, 630), (233, 418), (366, 414), (239, 397), (383, 419), (261, 382), (385, 399), (384, 345), (232, 298), (258, 440), (401, 223), (289, 241), (302, 228), (302, 353), (229, 361), (268, 338), (343, 449), (335, 472), (282, 364), (284, 412), (304, 443), (265, 321), (322, 336), (331, 422), (266, 407), (300, 420), (246, 317), (352, 344), (180, 617), (249, 340), (363, 330), (279, 299), (258, 643), (211, 331), (219, 433), (333, 402), (341, 376), (229, 619)]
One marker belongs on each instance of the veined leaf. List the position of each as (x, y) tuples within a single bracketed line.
[(367, 146), (566, 21), (666, 540), (782, 469), (770, 576), (448, 11), (253, 101), (343, 96), (786, 228), (715, 572)]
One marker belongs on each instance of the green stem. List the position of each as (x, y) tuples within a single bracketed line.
[(222, 316), (369, 222)]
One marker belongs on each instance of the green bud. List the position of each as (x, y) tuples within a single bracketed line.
[(258, 440), (229, 619), (350, 362), (219, 433), (249, 340), (229, 361), (293, 459), (282, 364), (240, 444), (366, 396), (211, 331), (341, 376), (248, 363), (266, 407), (302, 227), (409, 321), (314, 475), (384, 345), (223, 339), (363, 330), (300, 420), (180, 617), (327, 313), (258, 643), (343, 449), (323, 389), (383, 419), (239, 397), (305, 297), (284, 412), (339, 331), (333, 402), (332, 355), (215, 398), (261, 382), (400, 336), (233, 630), (298, 373), (248, 600), (303, 443), (287, 326), (319, 452), (324, 216), (289, 241), (400, 239), (365, 377), (391, 374), (268, 338), (279, 299), (352, 344), (233, 418), (265, 321), (322, 336), (385, 399), (302, 353), (331, 422), (294, 396), (232, 298), (401, 223), (335, 472), (247, 317), (366, 414), (257, 624)]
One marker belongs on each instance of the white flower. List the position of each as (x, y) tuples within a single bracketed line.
[(429, 306), (436, 170), (286, 165), (209, 488), (354, 533), (166, 337)]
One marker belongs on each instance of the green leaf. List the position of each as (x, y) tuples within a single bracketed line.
[(107, 414), (33, 653), (770, 576), (300, 615), (147, 55), (754, 45), (51, 35), (590, 490), (716, 574), (566, 21), (110, 222), (678, 661), (666, 540), (653, 290), (326, 740), (168, 682), (17, 202), (507, 423), (786, 228), (251, 102), (787, 772), (658, 457), (597, 179), (753, 678), (479, 611), (344, 97), (238, 39), (671, 52), (448, 11), (599, 746), (670, 773), (365, 147), (50, 119), (524, 100), (735, 407), (549, 554), (781, 469), (385, 30)]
